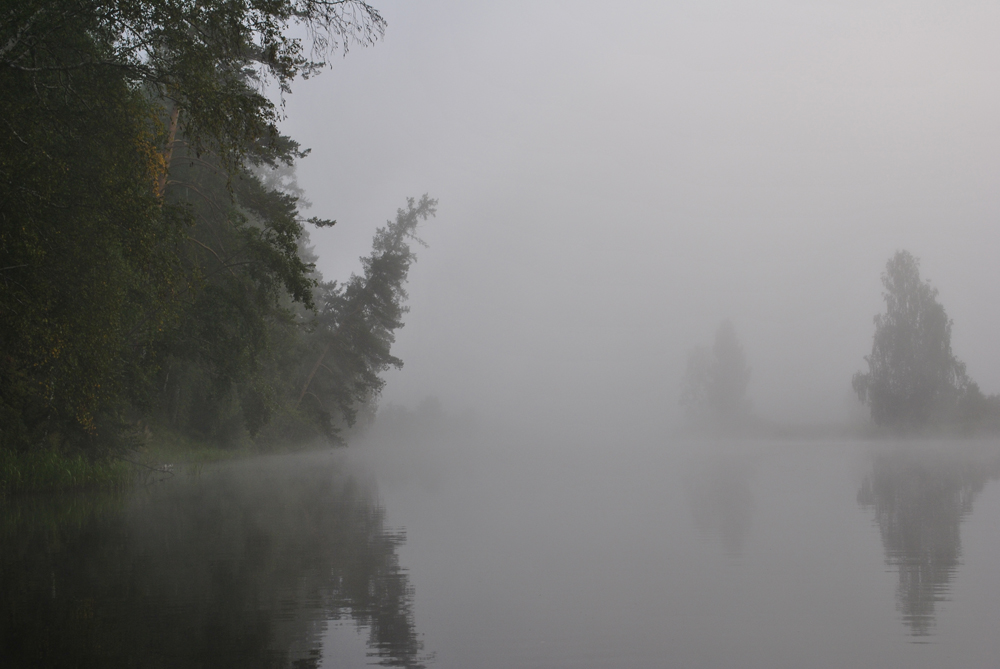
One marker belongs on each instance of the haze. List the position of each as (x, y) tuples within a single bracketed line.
[(615, 180), (635, 203)]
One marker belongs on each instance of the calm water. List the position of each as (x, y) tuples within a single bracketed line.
[(521, 552)]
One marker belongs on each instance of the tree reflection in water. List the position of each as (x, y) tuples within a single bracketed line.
[(237, 567), (722, 503), (920, 500)]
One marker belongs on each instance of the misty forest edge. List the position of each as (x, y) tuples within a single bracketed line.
[(156, 272), (155, 261)]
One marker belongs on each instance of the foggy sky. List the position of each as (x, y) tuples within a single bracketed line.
[(617, 178)]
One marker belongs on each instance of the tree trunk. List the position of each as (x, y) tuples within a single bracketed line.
[(312, 374), (168, 151)]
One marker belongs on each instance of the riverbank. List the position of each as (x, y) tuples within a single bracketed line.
[(52, 471), (45, 471)]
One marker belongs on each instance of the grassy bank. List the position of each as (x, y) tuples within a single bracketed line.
[(51, 471), (45, 470), (166, 447)]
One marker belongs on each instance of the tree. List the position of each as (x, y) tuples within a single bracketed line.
[(211, 60), (86, 271), (356, 324), (715, 380), (217, 376), (119, 253), (912, 374)]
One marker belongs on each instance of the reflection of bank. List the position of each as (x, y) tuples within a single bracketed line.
[(919, 501), (242, 566)]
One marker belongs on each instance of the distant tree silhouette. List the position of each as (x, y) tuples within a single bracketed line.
[(714, 386), (912, 372)]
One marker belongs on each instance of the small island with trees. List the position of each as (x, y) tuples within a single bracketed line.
[(914, 381), (914, 384)]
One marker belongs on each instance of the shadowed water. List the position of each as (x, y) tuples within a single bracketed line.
[(520, 552), (241, 565)]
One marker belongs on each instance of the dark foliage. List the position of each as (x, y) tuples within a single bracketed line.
[(87, 256), (201, 57), (151, 273)]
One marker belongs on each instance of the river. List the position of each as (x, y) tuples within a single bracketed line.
[(502, 550)]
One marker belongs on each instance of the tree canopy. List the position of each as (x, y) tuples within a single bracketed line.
[(154, 270), (213, 60), (913, 377), (357, 321)]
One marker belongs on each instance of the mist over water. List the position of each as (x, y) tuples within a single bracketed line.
[(614, 182), (448, 543), (695, 553)]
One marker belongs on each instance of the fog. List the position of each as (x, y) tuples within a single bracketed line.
[(615, 180), (528, 550)]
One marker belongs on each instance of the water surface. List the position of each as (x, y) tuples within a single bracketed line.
[(507, 551)]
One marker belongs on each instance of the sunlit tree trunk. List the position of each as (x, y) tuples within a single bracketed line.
[(168, 151)]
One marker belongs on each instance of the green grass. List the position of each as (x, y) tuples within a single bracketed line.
[(50, 471)]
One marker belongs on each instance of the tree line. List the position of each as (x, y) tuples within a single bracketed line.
[(913, 381), (155, 267)]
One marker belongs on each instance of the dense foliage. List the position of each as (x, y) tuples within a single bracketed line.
[(154, 273), (209, 59)]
